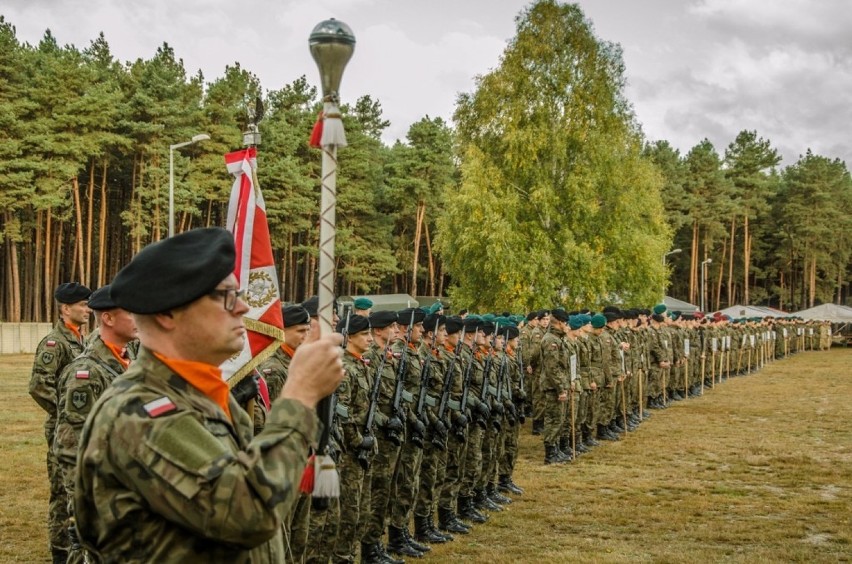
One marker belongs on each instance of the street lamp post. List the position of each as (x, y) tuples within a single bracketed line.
[(195, 139), (703, 277), (671, 252)]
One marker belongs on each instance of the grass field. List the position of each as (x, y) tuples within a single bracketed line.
[(758, 470)]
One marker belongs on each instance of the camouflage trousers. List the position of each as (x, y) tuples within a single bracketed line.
[(427, 488), (456, 453), (473, 460), (354, 502), (296, 533), (381, 485), (537, 397), (405, 484), (322, 530), (606, 405), (57, 511), (655, 382), (489, 456), (554, 418), (506, 465), (565, 429), (592, 401)]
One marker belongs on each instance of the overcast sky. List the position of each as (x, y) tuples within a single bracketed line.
[(695, 68)]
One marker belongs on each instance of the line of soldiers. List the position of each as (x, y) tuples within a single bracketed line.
[(429, 411), (598, 374)]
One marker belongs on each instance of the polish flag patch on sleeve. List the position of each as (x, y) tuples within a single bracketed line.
[(51, 343), (159, 407), (82, 375)]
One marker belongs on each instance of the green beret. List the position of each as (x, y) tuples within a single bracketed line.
[(659, 309), (436, 307), (356, 324), (490, 317), (71, 293), (598, 320), (575, 322), (362, 303), (295, 315), (100, 299), (175, 271), (382, 319)]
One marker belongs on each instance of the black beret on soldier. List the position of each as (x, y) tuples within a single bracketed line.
[(357, 323), (175, 271), (430, 320), (312, 305), (100, 299), (472, 323), (405, 315), (382, 319), (512, 332), (560, 314), (454, 325), (295, 315), (71, 293), (486, 328)]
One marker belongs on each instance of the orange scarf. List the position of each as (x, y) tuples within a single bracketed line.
[(206, 378), (288, 350), (76, 330), (118, 353)]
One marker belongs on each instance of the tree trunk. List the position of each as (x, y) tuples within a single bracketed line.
[(693, 263), (731, 262), (90, 194), (48, 264), (418, 230), (717, 295), (746, 259), (102, 227), (78, 240), (431, 259), (13, 282)]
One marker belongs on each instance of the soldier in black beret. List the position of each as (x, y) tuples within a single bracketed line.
[(187, 306), (55, 351)]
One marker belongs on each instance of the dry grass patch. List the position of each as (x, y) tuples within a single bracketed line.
[(759, 469)]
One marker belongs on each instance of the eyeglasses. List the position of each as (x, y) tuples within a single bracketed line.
[(230, 295)]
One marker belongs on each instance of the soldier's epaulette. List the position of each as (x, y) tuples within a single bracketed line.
[(82, 375), (50, 343), (159, 407)]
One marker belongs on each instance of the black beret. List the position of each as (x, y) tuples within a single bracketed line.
[(559, 314), (472, 323), (486, 328), (454, 325), (312, 305), (175, 271), (658, 318), (512, 332), (382, 319), (541, 314), (611, 308), (295, 315), (405, 315), (611, 316), (430, 320), (71, 293), (100, 299), (357, 323), (532, 315)]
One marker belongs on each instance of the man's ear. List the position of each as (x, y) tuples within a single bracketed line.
[(166, 320)]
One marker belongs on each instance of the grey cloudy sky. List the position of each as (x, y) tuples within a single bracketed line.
[(695, 68)]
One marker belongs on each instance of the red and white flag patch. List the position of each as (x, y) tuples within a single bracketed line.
[(51, 343), (82, 375), (159, 407)]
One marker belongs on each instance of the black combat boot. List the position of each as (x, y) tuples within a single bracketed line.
[(580, 446), (551, 455), (371, 554), (447, 521), (589, 437), (537, 426), (507, 485), (565, 448), (483, 503), (415, 544), (423, 533), (468, 512), (397, 543), (616, 427), (495, 496), (430, 521), (605, 434), (385, 557)]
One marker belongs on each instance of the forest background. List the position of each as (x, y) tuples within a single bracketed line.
[(542, 191)]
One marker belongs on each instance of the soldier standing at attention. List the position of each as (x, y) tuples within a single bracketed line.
[(168, 468), (553, 385), (54, 352), (82, 382)]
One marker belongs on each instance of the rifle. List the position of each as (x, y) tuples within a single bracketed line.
[(501, 376), (371, 411), (393, 435), (418, 433), (445, 392), (459, 428), (484, 412), (522, 386)]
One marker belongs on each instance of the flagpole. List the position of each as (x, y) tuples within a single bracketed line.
[(331, 44)]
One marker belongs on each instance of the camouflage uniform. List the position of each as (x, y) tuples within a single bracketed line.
[(82, 382), (53, 353), (165, 475), (456, 438), (514, 377), (554, 380), (473, 458)]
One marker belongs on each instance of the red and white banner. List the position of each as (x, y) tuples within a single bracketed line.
[(254, 269)]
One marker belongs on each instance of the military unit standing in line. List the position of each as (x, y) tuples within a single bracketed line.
[(425, 429)]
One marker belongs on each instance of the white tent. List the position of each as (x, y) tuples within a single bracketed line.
[(827, 312), (674, 304), (737, 311)]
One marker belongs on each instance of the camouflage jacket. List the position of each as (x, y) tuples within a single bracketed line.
[(555, 359), (53, 353), (82, 382), (274, 370), (164, 475)]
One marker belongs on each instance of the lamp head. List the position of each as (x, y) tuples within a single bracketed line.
[(200, 137), (332, 44)]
